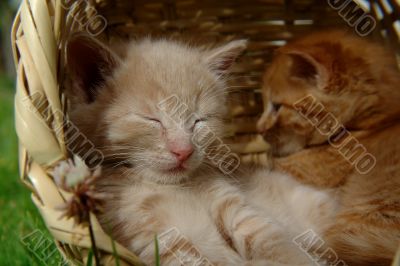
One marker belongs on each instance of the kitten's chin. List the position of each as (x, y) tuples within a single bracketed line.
[(172, 176)]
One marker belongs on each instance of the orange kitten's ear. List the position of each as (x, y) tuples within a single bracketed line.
[(89, 63), (221, 58), (305, 67)]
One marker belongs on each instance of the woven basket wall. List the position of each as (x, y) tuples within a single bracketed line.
[(42, 28)]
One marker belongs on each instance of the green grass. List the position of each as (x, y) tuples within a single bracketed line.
[(18, 215)]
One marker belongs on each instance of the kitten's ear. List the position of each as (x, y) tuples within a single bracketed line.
[(89, 63), (221, 58), (304, 66)]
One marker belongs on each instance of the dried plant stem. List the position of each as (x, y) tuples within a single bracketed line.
[(93, 241)]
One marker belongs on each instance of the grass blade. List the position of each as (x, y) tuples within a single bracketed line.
[(90, 258), (115, 254), (156, 252)]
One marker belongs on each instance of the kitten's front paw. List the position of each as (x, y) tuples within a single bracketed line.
[(260, 263), (256, 263), (271, 263)]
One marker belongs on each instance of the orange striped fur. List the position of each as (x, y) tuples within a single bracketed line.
[(357, 82)]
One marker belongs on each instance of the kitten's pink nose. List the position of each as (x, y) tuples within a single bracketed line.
[(182, 153)]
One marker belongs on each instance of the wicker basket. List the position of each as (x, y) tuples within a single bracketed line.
[(42, 27)]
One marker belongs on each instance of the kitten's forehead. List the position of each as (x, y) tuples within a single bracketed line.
[(157, 87), (164, 56), (159, 70)]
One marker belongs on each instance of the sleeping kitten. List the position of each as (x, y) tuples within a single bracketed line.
[(159, 179), (355, 82)]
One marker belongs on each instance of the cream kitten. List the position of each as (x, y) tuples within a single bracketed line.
[(160, 179)]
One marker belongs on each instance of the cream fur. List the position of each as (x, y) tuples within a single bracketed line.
[(250, 219)]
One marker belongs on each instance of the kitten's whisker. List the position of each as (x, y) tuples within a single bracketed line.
[(121, 163)]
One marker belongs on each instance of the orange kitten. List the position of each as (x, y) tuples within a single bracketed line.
[(332, 112)]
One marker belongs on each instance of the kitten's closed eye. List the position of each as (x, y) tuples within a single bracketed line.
[(276, 106), (198, 122), (153, 120)]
